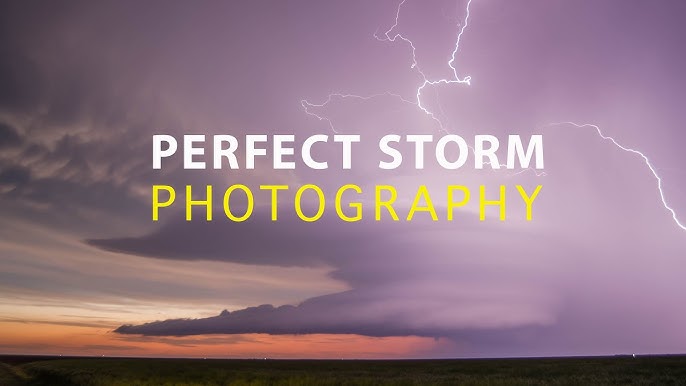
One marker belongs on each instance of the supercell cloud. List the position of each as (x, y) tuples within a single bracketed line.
[(598, 270)]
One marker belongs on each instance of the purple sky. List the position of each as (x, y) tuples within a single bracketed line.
[(84, 86)]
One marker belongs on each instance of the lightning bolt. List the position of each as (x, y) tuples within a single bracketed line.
[(307, 105), (391, 36), (415, 65), (388, 36), (638, 153), (536, 172)]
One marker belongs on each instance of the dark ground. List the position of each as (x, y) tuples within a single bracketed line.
[(621, 370)]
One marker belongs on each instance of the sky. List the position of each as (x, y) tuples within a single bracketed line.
[(599, 270)]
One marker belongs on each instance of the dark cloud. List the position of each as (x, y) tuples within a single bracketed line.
[(188, 341), (75, 112), (310, 317), (14, 175), (288, 241), (353, 316), (8, 136)]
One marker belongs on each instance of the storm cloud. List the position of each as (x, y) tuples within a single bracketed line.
[(84, 86)]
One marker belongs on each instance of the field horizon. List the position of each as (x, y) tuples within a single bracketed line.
[(18, 370)]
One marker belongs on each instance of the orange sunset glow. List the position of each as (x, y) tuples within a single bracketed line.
[(55, 339)]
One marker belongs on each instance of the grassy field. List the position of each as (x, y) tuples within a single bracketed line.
[(665, 370)]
